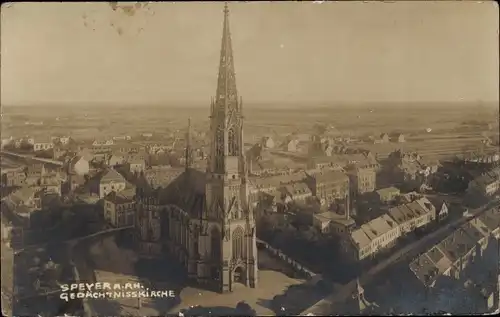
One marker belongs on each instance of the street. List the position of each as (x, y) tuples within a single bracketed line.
[(323, 307)]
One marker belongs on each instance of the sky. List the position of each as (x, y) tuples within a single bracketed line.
[(168, 53)]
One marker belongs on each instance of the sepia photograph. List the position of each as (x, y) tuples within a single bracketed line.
[(257, 158)]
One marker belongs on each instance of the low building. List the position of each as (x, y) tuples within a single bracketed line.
[(297, 193), (119, 208), (137, 166), (329, 222), (485, 185), (267, 142), (102, 142), (441, 206), (13, 177), (398, 138), (370, 238), (329, 186), (115, 160), (78, 166), (387, 195), (108, 181), (43, 146), (451, 256)]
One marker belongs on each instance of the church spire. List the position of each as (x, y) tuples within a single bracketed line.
[(227, 96), (188, 146)]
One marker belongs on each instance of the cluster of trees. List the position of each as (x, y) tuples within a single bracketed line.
[(304, 243)]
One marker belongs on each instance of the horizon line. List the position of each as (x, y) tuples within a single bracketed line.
[(315, 104)]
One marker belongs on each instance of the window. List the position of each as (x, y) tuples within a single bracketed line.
[(237, 243)]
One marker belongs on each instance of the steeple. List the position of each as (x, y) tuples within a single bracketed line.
[(188, 146), (226, 113), (227, 96)]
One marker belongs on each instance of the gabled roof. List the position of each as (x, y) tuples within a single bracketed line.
[(124, 197), (111, 175)]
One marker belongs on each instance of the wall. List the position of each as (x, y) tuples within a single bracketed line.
[(295, 265)]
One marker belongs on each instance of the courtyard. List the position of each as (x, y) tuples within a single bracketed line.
[(276, 292)]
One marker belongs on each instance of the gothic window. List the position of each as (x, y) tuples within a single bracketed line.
[(215, 243), (233, 150), (238, 243)]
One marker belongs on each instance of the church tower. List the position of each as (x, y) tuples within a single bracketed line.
[(230, 222)]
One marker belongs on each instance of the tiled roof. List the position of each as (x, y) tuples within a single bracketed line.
[(120, 197), (360, 238), (111, 175)]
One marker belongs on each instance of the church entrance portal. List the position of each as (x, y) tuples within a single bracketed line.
[(239, 276)]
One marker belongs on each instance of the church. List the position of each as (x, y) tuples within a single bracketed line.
[(204, 219)]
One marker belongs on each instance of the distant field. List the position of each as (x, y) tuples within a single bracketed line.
[(89, 122)]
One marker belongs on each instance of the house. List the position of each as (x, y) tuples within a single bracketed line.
[(329, 222), (451, 256), (137, 165), (267, 142), (325, 162), (398, 138), (490, 219), (115, 160), (383, 138), (43, 146), (108, 181), (78, 166), (297, 193), (13, 177), (291, 145), (410, 216), (119, 208), (370, 238), (387, 195), (328, 186), (485, 185), (103, 142), (362, 179), (441, 207), (122, 138)]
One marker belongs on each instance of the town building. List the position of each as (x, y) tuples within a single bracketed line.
[(329, 222), (13, 177), (485, 185), (362, 179), (119, 208), (108, 181), (329, 187), (208, 223), (456, 252), (297, 193), (382, 232), (115, 160), (387, 195), (267, 142), (102, 142), (43, 146), (78, 165), (398, 138)]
